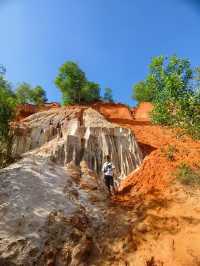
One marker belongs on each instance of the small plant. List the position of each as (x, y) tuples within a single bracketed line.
[(169, 152), (188, 176), (180, 134)]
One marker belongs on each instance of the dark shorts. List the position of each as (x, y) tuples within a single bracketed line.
[(109, 180)]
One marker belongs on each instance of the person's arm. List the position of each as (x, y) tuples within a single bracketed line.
[(113, 168), (103, 167)]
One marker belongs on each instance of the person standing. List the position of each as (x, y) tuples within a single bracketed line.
[(107, 169)]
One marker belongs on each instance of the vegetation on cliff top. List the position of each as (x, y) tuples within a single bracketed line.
[(9, 99), (76, 88), (26, 94), (174, 88), (7, 107)]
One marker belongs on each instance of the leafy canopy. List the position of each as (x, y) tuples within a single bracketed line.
[(38, 95), (7, 106), (167, 76), (74, 86), (174, 88), (108, 97), (26, 94), (142, 92)]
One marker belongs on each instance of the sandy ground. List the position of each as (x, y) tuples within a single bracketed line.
[(166, 231), (154, 221)]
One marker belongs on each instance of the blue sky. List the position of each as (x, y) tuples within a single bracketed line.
[(112, 40)]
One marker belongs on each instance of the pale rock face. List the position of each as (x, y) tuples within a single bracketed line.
[(52, 201), (88, 139), (43, 210)]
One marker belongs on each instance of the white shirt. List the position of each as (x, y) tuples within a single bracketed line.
[(107, 168)]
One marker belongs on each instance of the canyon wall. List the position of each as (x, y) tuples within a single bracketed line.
[(78, 134), (52, 200)]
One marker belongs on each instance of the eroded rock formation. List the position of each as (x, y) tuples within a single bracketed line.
[(77, 135), (52, 201)]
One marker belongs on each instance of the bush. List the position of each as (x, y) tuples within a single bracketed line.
[(7, 112), (142, 92), (108, 97), (26, 94), (174, 88), (170, 152), (74, 86), (188, 176)]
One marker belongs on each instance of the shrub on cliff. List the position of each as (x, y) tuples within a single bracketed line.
[(7, 110), (108, 97), (26, 94), (7, 105), (143, 92), (172, 86), (75, 87)]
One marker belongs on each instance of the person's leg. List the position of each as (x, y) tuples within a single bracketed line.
[(107, 182), (112, 184)]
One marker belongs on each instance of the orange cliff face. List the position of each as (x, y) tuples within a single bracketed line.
[(24, 110), (165, 214), (157, 169), (114, 111), (118, 112), (142, 112)]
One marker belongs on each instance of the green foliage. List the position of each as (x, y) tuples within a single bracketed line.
[(38, 95), (7, 111), (188, 176), (8, 102), (26, 94), (90, 92), (169, 152), (7, 105), (174, 88), (23, 93), (143, 92), (75, 87), (108, 97)]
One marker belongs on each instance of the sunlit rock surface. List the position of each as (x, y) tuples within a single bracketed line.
[(53, 201), (83, 135), (43, 210)]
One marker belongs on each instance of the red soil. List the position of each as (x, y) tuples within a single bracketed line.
[(158, 168), (113, 111), (24, 110), (142, 111)]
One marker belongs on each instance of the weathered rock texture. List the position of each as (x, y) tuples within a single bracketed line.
[(51, 200), (25, 110), (46, 216), (83, 135)]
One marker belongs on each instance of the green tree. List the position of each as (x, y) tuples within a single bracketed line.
[(38, 95), (24, 93), (143, 92), (73, 84), (7, 112), (174, 89), (90, 92), (108, 97), (172, 78), (7, 106), (70, 80)]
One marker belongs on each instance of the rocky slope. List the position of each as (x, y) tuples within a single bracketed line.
[(53, 204), (166, 231), (77, 134)]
